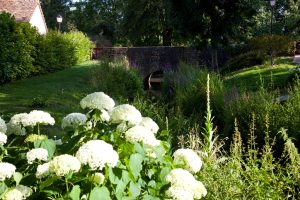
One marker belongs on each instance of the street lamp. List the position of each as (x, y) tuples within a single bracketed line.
[(59, 19), (272, 3)]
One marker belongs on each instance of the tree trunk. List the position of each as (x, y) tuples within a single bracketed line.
[(167, 37)]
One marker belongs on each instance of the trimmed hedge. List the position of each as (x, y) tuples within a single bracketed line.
[(24, 53), (17, 49)]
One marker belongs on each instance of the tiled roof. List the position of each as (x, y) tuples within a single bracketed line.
[(21, 9)]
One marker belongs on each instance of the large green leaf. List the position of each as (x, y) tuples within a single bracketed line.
[(134, 189), (115, 175), (75, 193), (18, 177), (99, 193), (48, 182), (135, 164), (48, 144), (3, 188)]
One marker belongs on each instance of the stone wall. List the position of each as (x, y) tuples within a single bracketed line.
[(150, 59)]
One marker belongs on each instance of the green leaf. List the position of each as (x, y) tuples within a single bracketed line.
[(3, 187), (164, 172), (121, 186), (75, 193), (135, 164), (139, 148), (134, 189), (115, 175), (48, 144), (99, 193), (149, 197), (48, 182), (18, 177)]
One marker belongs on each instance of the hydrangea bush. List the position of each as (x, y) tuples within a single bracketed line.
[(112, 152)]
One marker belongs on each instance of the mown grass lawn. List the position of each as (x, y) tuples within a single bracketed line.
[(60, 92), (276, 76)]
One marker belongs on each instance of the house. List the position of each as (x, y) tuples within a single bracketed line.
[(26, 11)]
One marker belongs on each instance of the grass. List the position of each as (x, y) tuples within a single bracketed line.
[(59, 93), (276, 76)]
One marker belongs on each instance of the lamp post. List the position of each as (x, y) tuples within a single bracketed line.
[(272, 3), (59, 19)]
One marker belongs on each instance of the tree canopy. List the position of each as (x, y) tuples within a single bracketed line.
[(172, 22)]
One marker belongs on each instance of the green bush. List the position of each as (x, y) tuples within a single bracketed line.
[(280, 44), (17, 49), (244, 60), (189, 84), (117, 79), (82, 45), (55, 52), (261, 107)]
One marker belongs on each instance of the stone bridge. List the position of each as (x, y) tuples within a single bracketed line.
[(157, 60)]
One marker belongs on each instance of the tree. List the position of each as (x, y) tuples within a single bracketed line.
[(52, 8)]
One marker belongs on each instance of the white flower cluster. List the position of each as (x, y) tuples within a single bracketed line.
[(18, 121), (182, 183), (150, 124), (20, 192), (125, 113), (13, 128), (97, 153), (43, 170), (188, 159), (3, 127), (41, 117), (63, 164), (38, 153), (104, 115), (73, 120), (3, 138), (141, 134), (7, 170), (97, 100)]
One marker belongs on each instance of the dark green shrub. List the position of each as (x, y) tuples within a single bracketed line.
[(189, 84), (244, 60), (17, 49), (117, 79), (280, 44)]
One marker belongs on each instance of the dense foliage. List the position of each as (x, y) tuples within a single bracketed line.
[(25, 53), (17, 49)]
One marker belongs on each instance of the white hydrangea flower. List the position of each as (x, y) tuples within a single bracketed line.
[(141, 134), (200, 190), (18, 121), (3, 138), (183, 180), (150, 124), (189, 159), (22, 119), (73, 120), (16, 129), (97, 178), (26, 191), (97, 100), (3, 127), (13, 194), (104, 115), (177, 193), (63, 164), (7, 170), (97, 153), (41, 117), (125, 113), (43, 170), (38, 153)]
